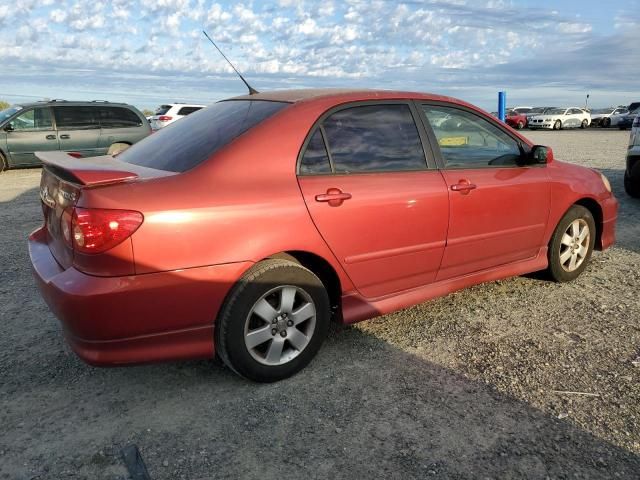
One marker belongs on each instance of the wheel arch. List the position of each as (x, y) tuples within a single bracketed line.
[(594, 207)]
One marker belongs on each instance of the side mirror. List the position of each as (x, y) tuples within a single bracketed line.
[(8, 127), (541, 154)]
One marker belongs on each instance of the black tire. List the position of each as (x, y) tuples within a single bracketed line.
[(520, 126), (606, 122), (584, 124), (3, 163), (555, 270), (557, 125), (261, 279), (632, 183)]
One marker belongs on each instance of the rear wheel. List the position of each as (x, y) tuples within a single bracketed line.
[(274, 321), (520, 125), (571, 244), (557, 125), (116, 148), (3, 163), (584, 124)]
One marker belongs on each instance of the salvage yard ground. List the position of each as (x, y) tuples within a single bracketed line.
[(472, 385)]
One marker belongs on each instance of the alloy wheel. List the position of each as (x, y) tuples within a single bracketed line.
[(574, 245)]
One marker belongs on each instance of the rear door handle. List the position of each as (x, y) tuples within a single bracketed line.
[(50, 137), (334, 196), (65, 137), (463, 186)]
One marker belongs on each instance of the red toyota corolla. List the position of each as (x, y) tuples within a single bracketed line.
[(243, 229)]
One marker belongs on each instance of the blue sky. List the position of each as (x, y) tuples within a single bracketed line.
[(148, 52)]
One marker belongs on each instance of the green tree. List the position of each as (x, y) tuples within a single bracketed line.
[(147, 113), (4, 105)]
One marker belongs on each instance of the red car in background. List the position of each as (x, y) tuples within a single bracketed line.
[(516, 120), (243, 229)]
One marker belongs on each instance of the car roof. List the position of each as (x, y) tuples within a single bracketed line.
[(343, 95), (44, 103)]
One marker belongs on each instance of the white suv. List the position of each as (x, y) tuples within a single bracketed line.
[(632, 172), (169, 113)]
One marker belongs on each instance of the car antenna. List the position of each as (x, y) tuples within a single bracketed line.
[(252, 91)]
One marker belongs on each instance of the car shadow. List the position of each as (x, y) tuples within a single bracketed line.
[(364, 408)]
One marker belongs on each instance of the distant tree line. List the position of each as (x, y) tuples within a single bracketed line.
[(4, 105)]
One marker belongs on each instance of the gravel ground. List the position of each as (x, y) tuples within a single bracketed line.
[(461, 387)]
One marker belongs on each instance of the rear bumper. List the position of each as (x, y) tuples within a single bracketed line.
[(609, 217), (137, 318)]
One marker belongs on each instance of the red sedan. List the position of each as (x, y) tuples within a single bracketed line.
[(245, 228), (516, 120)]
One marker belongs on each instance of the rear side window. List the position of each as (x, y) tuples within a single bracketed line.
[(374, 138), (188, 110), (162, 109), (187, 143), (315, 159), (118, 117), (76, 118)]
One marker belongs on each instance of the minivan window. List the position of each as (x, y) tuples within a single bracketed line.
[(374, 138), (8, 112), (76, 118), (34, 119), (118, 117), (187, 143)]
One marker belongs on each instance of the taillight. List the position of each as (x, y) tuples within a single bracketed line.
[(94, 230), (164, 118)]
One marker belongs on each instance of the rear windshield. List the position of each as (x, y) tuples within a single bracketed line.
[(187, 143)]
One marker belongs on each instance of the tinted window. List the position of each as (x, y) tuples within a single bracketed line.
[(117, 117), (185, 144), (469, 141), (76, 118), (315, 159), (36, 119), (162, 109), (374, 138), (188, 110), (4, 114)]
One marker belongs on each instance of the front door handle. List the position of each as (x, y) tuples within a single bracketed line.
[(463, 186), (65, 137), (334, 196), (50, 137)]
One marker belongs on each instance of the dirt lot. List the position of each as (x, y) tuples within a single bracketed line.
[(460, 387)]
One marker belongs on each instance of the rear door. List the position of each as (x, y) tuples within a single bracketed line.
[(119, 125), (31, 131), (78, 129), (498, 209), (380, 205)]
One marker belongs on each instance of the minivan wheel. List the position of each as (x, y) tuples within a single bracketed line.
[(3, 163), (571, 244), (116, 148), (273, 322)]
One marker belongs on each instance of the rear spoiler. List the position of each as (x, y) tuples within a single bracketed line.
[(94, 171)]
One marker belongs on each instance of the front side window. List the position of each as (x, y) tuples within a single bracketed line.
[(35, 119), (76, 118), (467, 140), (374, 138), (187, 143)]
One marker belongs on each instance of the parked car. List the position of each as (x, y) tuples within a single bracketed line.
[(537, 111), (87, 128), (602, 117), (242, 230), (167, 114), (516, 120), (626, 121), (632, 171), (558, 118), (521, 109)]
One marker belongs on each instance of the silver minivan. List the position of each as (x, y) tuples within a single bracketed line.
[(86, 128)]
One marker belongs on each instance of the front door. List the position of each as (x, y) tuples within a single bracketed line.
[(370, 192), (31, 131), (78, 129), (498, 209)]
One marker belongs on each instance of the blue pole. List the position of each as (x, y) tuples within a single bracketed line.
[(502, 105)]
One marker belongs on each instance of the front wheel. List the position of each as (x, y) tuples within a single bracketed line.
[(520, 125), (571, 244), (557, 125), (584, 124), (273, 322), (606, 123)]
